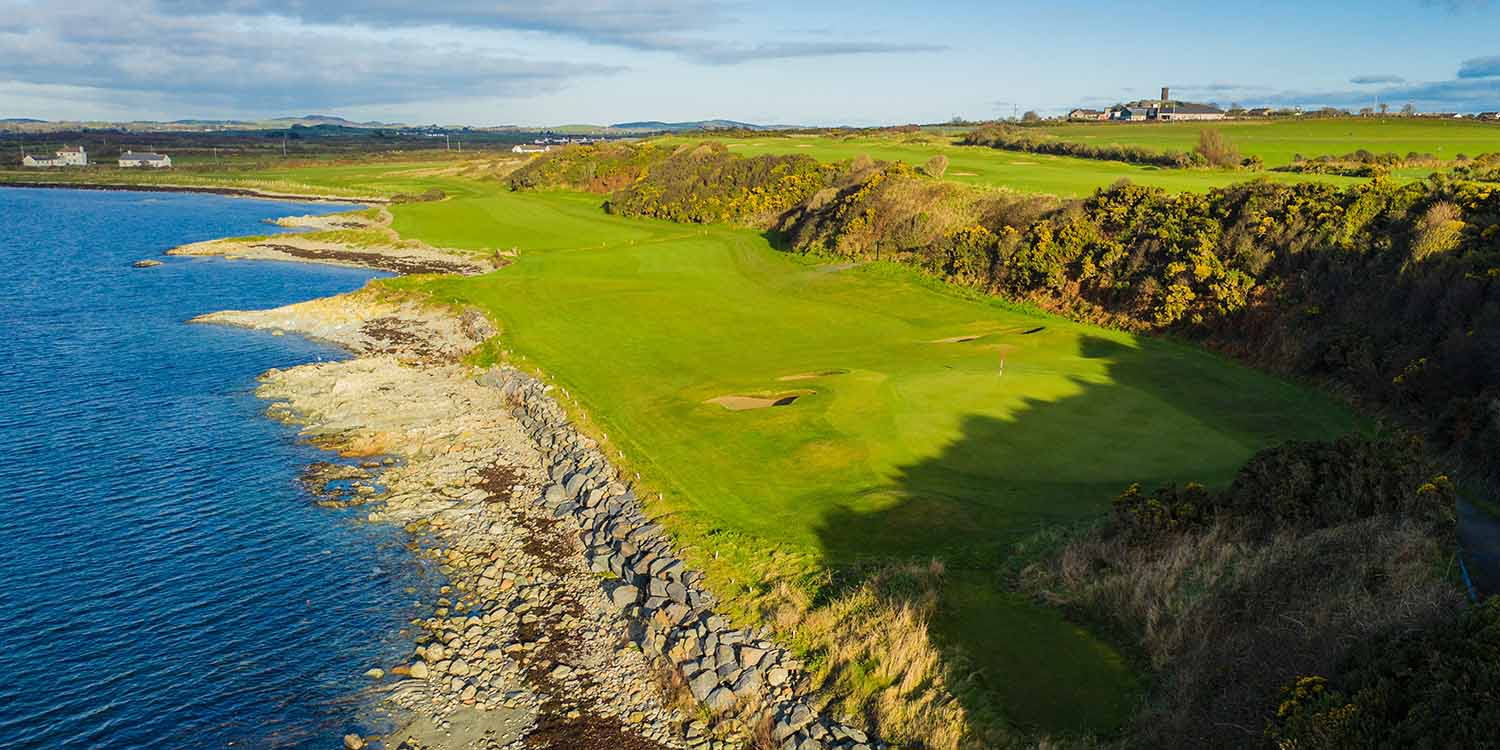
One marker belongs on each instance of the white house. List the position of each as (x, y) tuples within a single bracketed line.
[(145, 159), (526, 148), (68, 156)]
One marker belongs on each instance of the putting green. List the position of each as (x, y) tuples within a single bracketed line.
[(954, 426)]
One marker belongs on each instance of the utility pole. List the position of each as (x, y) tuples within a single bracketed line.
[(283, 145), (448, 143)]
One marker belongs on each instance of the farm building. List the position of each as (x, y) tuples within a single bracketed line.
[(145, 159), (1189, 111), (1164, 109), (67, 156), (1088, 114), (526, 148)]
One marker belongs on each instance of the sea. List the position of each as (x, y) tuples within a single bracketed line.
[(165, 582)]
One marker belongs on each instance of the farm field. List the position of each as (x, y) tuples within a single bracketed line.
[(1277, 141), (922, 423), (361, 177), (1035, 173)]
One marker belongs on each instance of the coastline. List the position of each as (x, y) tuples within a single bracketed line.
[(382, 249), (211, 190), (568, 619)]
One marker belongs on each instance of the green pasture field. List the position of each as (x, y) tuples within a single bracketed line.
[(1277, 140), (928, 423), (1064, 176), (361, 177)]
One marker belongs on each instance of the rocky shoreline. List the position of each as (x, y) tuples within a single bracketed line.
[(568, 620), (385, 251)]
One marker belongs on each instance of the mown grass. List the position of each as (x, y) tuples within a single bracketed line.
[(921, 450), (1277, 141), (977, 165)]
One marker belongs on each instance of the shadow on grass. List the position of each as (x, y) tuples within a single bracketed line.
[(994, 486)]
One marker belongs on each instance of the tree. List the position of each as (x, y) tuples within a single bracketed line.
[(1408, 109), (936, 166), (1384, 108), (1031, 116), (1216, 149), (1366, 111)]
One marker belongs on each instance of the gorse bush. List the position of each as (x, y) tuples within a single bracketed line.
[(707, 184), (1011, 138), (1436, 688)]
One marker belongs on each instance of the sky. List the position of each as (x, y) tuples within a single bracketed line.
[(499, 62)]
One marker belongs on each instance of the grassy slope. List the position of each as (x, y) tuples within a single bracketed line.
[(921, 449), (1037, 173), (1276, 141)]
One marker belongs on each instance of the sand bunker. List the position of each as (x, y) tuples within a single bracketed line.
[(1030, 331), (757, 401), (963, 174), (955, 339), (812, 375)]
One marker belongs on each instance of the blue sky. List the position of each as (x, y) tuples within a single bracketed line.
[(490, 62)]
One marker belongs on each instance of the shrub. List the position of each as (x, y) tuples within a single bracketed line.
[(1169, 510), (1315, 485), (1433, 688), (1216, 149), (1012, 138), (1439, 231), (936, 166)]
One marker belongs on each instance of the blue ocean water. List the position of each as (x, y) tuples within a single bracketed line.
[(164, 581)]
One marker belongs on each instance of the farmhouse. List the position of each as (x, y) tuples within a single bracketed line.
[(145, 159), (1088, 114), (67, 156), (526, 148), (1164, 109)]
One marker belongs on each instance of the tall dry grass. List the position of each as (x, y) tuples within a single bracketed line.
[(873, 659), (1225, 620)]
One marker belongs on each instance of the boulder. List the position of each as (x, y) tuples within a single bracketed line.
[(703, 684), (623, 596), (720, 700), (417, 670), (554, 495)]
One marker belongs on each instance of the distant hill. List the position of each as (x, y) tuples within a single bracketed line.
[(673, 127), (20, 119), (311, 120)]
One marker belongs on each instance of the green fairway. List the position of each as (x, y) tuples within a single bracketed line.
[(976, 165), (907, 439), (1277, 141)]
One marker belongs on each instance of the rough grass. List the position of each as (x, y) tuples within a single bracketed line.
[(1225, 621)]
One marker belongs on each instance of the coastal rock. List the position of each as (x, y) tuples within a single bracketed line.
[(147, 263), (417, 670)]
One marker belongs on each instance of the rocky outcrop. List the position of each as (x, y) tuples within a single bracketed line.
[(380, 248)]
